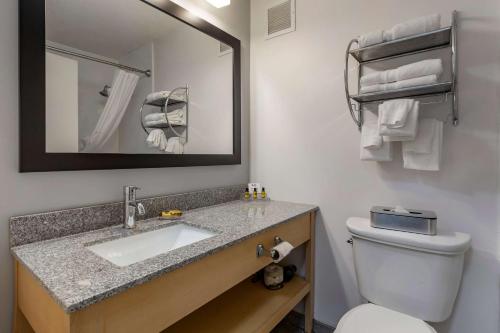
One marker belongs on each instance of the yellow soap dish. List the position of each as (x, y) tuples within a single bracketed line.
[(171, 214)]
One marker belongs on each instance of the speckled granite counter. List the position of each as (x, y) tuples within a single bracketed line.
[(76, 277)]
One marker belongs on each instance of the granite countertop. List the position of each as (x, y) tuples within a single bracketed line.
[(77, 278)]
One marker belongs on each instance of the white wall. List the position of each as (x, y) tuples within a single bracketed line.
[(186, 56), (61, 104), (35, 192), (304, 146)]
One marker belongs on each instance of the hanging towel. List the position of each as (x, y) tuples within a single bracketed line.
[(370, 139), (406, 133), (393, 114), (423, 141), (371, 38), (406, 72), (419, 81), (372, 147), (157, 139), (175, 146), (414, 154), (414, 27)]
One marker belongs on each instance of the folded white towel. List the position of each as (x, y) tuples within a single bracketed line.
[(406, 133), (418, 81), (393, 114), (370, 138), (157, 139), (155, 116), (174, 145), (376, 150), (413, 27), (406, 72), (371, 38), (152, 97), (431, 161)]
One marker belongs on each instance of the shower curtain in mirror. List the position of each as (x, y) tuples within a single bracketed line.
[(122, 88)]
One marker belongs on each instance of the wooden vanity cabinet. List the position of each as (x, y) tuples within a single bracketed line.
[(213, 294)]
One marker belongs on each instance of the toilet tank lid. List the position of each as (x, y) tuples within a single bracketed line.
[(443, 242)]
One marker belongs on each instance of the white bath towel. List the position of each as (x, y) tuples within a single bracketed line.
[(393, 114), (406, 72), (370, 152), (406, 133), (157, 139), (423, 141), (419, 81), (414, 27), (371, 38), (431, 161)]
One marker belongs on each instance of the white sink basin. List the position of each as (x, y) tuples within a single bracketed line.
[(125, 251)]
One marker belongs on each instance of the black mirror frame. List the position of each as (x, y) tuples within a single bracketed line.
[(32, 153)]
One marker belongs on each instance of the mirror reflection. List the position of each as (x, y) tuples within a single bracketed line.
[(123, 77)]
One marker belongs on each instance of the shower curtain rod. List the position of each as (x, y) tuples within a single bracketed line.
[(86, 57)]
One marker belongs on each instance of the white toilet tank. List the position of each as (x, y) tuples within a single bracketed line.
[(415, 274)]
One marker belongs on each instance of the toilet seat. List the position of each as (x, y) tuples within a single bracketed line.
[(371, 318)]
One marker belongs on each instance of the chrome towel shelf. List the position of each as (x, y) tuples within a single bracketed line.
[(442, 38), (163, 104)]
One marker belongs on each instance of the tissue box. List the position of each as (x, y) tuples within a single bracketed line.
[(416, 221)]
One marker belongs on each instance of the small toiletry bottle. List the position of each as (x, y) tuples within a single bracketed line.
[(247, 194), (263, 194), (255, 194)]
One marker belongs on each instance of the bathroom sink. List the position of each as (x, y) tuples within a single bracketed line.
[(126, 251)]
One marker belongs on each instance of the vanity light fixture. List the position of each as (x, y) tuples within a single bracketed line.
[(219, 3)]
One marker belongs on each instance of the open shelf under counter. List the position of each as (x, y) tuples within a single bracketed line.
[(247, 307)]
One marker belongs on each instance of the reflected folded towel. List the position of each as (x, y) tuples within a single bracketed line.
[(406, 72), (406, 133), (419, 81), (414, 27), (159, 95), (157, 139), (176, 118), (425, 154), (393, 114), (371, 38)]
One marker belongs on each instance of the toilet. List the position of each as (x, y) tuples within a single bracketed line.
[(408, 279)]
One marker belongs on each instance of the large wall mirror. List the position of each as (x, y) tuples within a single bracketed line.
[(125, 84)]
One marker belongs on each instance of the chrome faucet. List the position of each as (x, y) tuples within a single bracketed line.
[(131, 206)]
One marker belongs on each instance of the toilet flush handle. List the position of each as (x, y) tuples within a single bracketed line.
[(349, 241)]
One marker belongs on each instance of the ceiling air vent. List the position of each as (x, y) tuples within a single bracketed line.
[(280, 18)]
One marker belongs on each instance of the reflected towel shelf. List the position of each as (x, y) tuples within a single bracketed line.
[(161, 102), (160, 126), (428, 90)]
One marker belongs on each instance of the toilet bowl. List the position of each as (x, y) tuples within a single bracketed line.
[(377, 319), (409, 279)]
